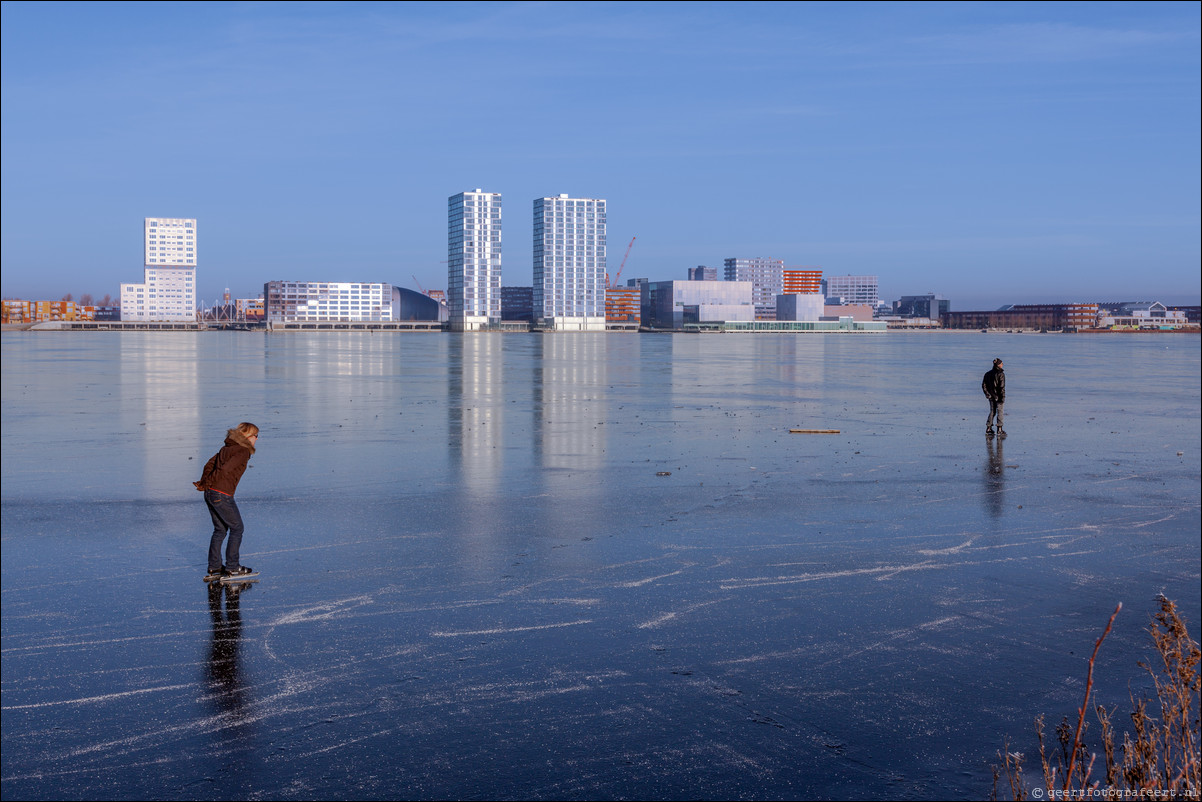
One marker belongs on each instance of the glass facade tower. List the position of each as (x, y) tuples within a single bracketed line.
[(569, 263), (474, 259)]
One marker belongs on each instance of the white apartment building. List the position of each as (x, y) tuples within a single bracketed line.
[(170, 241), (569, 264), (474, 259), (327, 302), (853, 289), (168, 291), (767, 277)]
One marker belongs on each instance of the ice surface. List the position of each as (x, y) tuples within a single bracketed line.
[(475, 584)]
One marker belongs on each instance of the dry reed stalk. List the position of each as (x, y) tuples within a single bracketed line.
[(1068, 775), (1163, 757)]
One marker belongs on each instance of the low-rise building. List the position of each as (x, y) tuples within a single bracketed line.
[(1139, 315), (669, 305), (1037, 317), (327, 301), (517, 303), (250, 309), (20, 311), (928, 306), (799, 306)]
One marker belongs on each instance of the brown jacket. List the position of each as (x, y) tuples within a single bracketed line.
[(223, 471)]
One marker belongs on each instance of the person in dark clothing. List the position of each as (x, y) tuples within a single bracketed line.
[(994, 387), (219, 480)]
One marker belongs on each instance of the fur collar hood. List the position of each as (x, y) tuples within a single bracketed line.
[(233, 437)]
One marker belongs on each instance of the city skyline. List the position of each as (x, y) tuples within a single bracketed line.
[(991, 154)]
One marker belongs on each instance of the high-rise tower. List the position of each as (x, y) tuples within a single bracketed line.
[(569, 263), (474, 259), (169, 290)]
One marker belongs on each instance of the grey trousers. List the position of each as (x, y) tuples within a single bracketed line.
[(995, 408)]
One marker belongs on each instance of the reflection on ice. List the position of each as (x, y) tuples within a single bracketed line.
[(225, 685), (994, 477)]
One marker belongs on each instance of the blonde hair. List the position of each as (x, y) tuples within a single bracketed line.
[(247, 429)]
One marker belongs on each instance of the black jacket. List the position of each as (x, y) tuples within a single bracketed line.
[(994, 385)]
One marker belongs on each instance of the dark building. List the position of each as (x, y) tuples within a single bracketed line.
[(703, 273), (412, 306), (517, 303), (929, 305), (1025, 316)]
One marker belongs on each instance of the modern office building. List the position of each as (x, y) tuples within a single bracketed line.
[(474, 260), (928, 306), (331, 301), (517, 303), (853, 289), (669, 305), (800, 306), (767, 277), (168, 290), (802, 280), (569, 264), (703, 273)]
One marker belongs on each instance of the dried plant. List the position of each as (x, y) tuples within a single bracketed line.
[(1160, 761)]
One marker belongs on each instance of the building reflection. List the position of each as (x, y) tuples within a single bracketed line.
[(569, 413), (159, 384), (354, 404), (475, 414)]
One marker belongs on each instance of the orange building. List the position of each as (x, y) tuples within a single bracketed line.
[(249, 309), (802, 280), (622, 305), (18, 311), (1081, 316)]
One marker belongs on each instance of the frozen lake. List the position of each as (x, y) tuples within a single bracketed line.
[(476, 583)]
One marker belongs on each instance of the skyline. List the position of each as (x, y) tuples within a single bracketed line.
[(991, 154)]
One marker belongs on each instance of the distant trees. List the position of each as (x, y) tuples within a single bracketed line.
[(87, 299)]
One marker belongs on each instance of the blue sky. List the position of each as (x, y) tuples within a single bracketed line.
[(992, 153)]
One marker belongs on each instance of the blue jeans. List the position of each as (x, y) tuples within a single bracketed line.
[(226, 518)]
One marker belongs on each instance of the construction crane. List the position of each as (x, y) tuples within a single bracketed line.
[(419, 285), (618, 275)]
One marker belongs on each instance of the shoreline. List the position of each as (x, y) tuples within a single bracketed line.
[(422, 327)]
